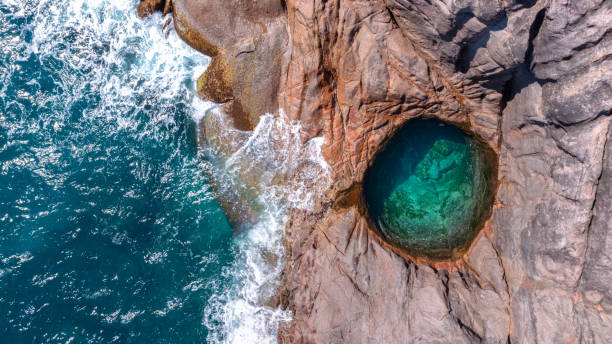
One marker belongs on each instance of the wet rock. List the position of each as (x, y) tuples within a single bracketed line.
[(148, 7), (215, 84), (218, 133), (246, 41)]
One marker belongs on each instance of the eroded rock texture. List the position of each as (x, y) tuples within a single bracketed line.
[(532, 79)]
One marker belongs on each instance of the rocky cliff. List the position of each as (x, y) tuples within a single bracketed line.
[(530, 79)]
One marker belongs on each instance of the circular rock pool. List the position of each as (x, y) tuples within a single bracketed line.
[(430, 189)]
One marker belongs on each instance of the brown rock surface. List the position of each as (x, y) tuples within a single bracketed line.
[(246, 40), (148, 7), (531, 78)]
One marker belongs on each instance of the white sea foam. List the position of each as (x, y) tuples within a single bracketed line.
[(273, 152), (103, 36)]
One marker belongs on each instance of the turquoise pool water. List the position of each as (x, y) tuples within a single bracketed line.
[(108, 230), (429, 188)]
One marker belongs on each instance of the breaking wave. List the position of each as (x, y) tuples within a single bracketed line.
[(287, 175)]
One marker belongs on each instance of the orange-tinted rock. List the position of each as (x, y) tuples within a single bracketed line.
[(529, 78), (359, 70), (215, 84)]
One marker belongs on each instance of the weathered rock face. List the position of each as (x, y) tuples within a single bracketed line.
[(246, 40), (531, 79), (148, 7)]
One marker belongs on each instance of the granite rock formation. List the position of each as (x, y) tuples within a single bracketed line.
[(246, 40), (531, 78)]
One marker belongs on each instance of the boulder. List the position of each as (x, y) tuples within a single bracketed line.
[(246, 40)]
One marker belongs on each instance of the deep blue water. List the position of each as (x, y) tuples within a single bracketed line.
[(108, 230)]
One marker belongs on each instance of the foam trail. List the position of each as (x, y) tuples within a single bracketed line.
[(273, 152)]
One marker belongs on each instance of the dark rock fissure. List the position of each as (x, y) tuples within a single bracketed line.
[(533, 33)]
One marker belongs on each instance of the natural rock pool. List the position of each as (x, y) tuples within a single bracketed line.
[(430, 189)]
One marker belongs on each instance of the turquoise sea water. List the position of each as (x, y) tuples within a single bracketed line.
[(429, 188), (108, 230)]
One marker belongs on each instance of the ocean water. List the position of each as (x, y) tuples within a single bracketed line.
[(429, 188), (109, 232)]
